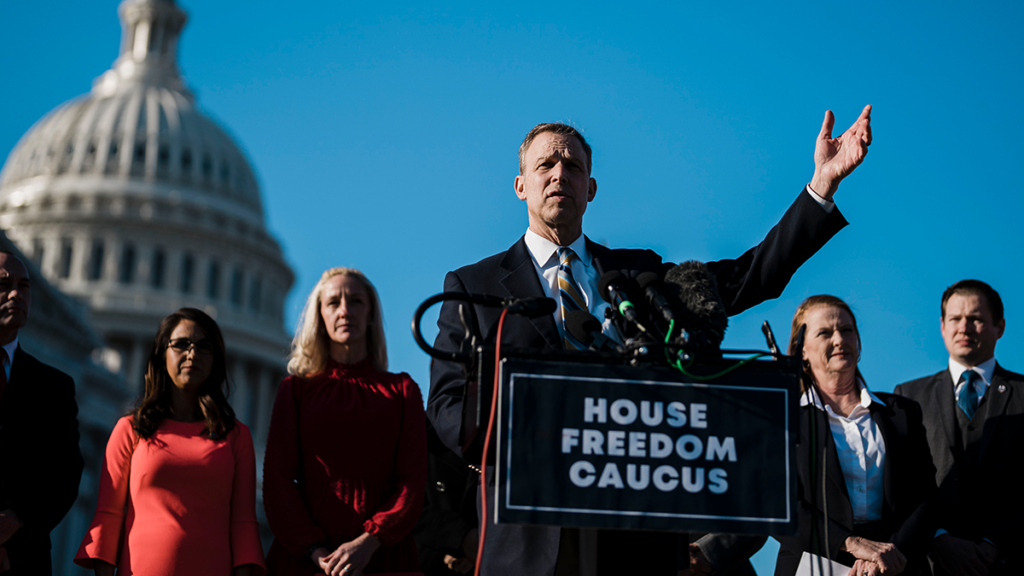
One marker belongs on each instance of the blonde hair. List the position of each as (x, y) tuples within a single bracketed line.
[(311, 346)]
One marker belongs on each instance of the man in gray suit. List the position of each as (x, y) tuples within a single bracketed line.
[(974, 417)]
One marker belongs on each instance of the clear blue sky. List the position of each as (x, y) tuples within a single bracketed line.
[(385, 136)]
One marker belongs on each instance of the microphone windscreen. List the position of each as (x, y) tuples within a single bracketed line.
[(581, 325), (647, 279), (692, 286), (607, 279), (535, 307)]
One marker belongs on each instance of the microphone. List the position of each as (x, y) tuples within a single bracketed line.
[(692, 286), (651, 284), (584, 327), (532, 307), (611, 286)]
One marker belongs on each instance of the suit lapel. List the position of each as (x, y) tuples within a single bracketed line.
[(604, 259), (944, 401), (833, 472), (997, 401), (882, 416), (521, 281)]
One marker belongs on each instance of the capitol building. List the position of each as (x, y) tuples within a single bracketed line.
[(130, 203)]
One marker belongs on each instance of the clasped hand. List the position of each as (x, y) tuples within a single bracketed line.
[(959, 556), (874, 558), (349, 559)]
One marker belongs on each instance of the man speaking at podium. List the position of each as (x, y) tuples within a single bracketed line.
[(555, 182)]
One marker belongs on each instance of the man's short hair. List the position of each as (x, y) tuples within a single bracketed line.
[(976, 287), (557, 128)]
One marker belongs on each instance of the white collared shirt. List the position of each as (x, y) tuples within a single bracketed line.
[(544, 254), (980, 385), (10, 347), (861, 450)]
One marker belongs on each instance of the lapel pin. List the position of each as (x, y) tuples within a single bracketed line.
[(1002, 388)]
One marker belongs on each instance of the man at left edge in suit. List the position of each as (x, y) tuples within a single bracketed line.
[(555, 183), (40, 462)]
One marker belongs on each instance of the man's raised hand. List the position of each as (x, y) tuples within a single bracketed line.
[(836, 158)]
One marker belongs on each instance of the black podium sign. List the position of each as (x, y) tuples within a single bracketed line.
[(609, 446)]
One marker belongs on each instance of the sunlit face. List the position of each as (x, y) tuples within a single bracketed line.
[(189, 356), (555, 183), (968, 329), (345, 309), (15, 294), (831, 342)]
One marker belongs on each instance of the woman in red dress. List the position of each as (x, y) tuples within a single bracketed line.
[(178, 485), (346, 459)]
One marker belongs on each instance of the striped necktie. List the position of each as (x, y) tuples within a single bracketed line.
[(968, 401), (569, 295)]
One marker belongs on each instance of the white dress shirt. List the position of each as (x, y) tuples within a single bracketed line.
[(544, 254), (861, 450), (980, 385), (10, 347)]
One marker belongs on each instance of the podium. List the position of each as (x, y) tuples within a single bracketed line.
[(647, 448)]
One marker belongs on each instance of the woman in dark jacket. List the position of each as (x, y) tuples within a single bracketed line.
[(864, 468)]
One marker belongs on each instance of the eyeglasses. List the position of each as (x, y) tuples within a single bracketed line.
[(183, 345)]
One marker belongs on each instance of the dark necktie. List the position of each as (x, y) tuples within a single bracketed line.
[(968, 401), (569, 295)]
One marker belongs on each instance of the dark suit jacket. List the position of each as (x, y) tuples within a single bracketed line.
[(979, 483), (449, 507), (907, 520), (759, 274), (40, 463)]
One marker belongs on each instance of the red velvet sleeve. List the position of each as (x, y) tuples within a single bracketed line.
[(245, 532), (103, 539), (282, 464), (398, 515)]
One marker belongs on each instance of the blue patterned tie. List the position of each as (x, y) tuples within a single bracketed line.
[(569, 295), (968, 401)]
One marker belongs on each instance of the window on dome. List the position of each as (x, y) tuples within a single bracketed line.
[(38, 250), (159, 265), (186, 162), (236, 287), (66, 252), (94, 270), (163, 156), (213, 280), (207, 166), (187, 272), (126, 271), (225, 173), (90, 155), (112, 157), (255, 286), (139, 158)]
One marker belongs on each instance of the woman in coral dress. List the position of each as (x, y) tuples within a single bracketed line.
[(177, 491), (346, 460)]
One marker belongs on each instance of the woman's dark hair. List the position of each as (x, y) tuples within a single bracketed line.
[(155, 403)]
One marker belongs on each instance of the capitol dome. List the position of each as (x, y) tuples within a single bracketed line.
[(135, 203)]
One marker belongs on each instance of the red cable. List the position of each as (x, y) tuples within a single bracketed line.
[(487, 446)]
